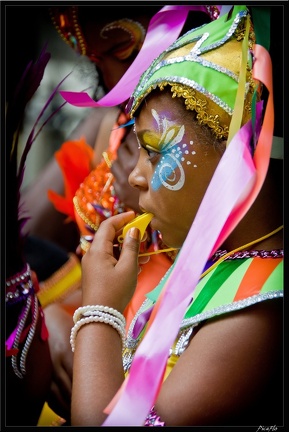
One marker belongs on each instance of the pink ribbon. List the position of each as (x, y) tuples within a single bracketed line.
[(262, 71), (164, 28)]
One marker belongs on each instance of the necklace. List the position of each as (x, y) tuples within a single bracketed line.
[(223, 256), (245, 246)]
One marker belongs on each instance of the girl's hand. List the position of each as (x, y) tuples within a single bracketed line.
[(106, 280)]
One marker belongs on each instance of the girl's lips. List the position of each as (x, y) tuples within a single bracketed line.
[(143, 209)]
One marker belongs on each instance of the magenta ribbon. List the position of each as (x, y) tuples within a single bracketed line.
[(164, 28)]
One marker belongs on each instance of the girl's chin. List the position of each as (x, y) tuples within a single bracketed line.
[(168, 241), (166, 237)]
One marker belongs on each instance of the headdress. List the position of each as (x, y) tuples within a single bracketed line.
[(199, 67), (67, 23)]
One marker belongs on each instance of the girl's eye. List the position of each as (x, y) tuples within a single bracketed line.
[(152, 153)]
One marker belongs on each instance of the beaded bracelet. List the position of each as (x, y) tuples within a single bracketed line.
[(105, 318), (92, 308), (104, 314)]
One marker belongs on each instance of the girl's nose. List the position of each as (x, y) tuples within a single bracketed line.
[(136, 179)]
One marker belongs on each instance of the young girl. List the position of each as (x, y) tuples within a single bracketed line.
[(205, 348)]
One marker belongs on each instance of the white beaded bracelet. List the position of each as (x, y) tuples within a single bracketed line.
[(104, 318), (92, 308)]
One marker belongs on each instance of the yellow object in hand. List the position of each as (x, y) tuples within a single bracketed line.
[(141, 222)]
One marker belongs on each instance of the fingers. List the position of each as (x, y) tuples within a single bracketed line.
[(128, 260), (105, 279), (131, 244), (108, 230)]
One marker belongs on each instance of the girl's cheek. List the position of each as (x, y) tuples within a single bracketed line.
[(171, 170)]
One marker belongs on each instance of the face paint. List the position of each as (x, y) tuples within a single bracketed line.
[(169, 171)]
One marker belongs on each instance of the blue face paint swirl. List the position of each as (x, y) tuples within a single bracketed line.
[(169, 171)]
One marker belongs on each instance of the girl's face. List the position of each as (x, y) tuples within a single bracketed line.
[(174, 168)]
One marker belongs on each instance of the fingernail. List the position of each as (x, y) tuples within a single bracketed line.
[(134, 233)]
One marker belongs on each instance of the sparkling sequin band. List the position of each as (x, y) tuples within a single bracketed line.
[(274, 253)]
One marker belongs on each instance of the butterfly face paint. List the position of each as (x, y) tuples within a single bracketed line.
[(169, 143)]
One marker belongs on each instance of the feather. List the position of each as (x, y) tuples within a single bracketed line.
[(75, 161), (15, 110)]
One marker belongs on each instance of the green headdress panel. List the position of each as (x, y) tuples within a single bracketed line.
[(199, 68)]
